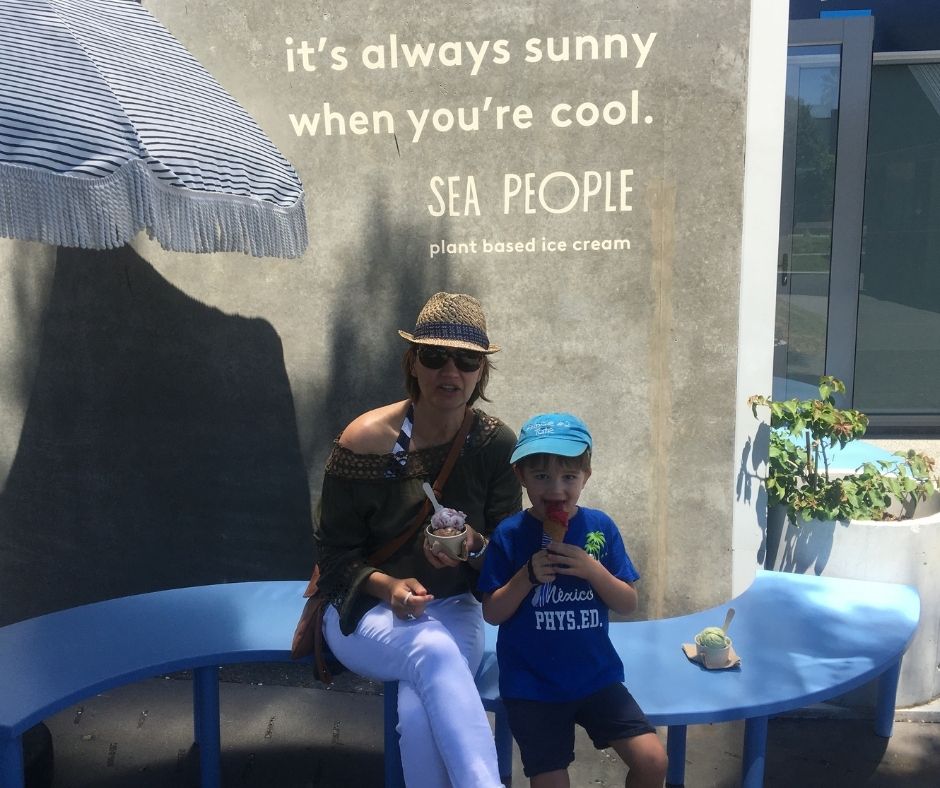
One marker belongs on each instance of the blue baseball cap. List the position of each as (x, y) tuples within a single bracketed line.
[(552, 433)]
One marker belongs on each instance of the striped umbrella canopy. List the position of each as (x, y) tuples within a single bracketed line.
[(108, 126)]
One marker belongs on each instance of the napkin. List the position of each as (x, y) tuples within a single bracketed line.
[(691, 652)]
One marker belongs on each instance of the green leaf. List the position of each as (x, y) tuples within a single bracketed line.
[(799, 479)]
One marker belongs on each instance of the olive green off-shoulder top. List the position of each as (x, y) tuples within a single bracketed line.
[(368, 499)]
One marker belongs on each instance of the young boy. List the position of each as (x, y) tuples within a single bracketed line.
[(557, 666)]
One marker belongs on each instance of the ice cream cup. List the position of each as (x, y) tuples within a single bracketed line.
[(714, 657), (454, 545)]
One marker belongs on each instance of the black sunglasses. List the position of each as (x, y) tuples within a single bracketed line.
[(434, 357)]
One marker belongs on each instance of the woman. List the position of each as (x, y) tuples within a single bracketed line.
[(413, 618)]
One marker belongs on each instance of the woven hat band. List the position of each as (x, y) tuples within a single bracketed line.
[(452, 331), (452, 320)]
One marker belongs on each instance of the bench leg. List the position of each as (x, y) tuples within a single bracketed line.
[(11, 763), (887, 695), (675, 751), (755, 752), (206, 726), (503, 745), (394, 777)]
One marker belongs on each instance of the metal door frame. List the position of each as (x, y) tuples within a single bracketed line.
[(854, 34)]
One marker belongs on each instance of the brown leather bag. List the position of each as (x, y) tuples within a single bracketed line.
[(308, 635)]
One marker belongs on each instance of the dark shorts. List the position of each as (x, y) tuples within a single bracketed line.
[(545, 731)]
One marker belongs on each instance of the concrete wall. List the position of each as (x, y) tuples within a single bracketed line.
[(170, 414)]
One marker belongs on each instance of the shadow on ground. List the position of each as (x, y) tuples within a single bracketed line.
[(284, 735), (277, 737), (822, 753)]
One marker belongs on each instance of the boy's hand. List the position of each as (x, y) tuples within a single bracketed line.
[(569, 559), (618, 595), (542, 566)]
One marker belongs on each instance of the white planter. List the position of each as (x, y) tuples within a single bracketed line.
[(906, 552)]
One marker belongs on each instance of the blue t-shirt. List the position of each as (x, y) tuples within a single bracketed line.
[(555, 646)]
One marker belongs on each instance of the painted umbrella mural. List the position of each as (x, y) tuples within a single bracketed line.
[(108, 126)]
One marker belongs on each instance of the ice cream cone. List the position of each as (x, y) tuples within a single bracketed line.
[(555, 530), (556, 522)]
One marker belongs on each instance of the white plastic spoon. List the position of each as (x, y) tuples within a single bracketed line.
[(430, 493), (728, 617)]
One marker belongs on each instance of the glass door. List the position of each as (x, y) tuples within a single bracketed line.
[(897, 361), (828, 73), (806, 208)]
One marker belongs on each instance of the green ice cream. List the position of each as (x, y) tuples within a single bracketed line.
[(712, 637)]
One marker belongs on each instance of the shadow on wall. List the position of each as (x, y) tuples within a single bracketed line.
[(748, 479), (159, 448), (801, 548), (376, 296)]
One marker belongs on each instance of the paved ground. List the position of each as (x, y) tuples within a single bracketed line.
[(927, 444), (281, 730)]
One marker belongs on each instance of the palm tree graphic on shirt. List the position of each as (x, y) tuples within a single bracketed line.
[(594, 544)]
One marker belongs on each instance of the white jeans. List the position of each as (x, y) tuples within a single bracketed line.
[(445, 735)]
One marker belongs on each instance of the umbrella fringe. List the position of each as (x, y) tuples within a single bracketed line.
[(105, 213)]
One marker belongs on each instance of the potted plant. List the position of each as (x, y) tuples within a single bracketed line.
[(803, 436), (879, 520)]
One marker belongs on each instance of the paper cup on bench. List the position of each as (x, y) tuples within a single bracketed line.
[(714, 657)]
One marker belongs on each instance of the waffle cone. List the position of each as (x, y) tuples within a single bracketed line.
[(555, 530)]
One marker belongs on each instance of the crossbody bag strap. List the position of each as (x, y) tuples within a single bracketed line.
[(389, 549)]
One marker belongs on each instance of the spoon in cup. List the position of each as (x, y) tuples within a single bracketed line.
[(428, 491), (728, 616)]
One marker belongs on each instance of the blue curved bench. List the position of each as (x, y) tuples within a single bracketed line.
[(802, 639), (49, 662)]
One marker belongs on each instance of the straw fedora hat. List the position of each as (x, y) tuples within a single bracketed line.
[(452, 320)]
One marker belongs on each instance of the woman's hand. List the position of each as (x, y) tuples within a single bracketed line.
[(408, 598), (439, 560)]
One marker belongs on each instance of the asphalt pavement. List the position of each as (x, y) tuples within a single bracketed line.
[(281, 729)]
